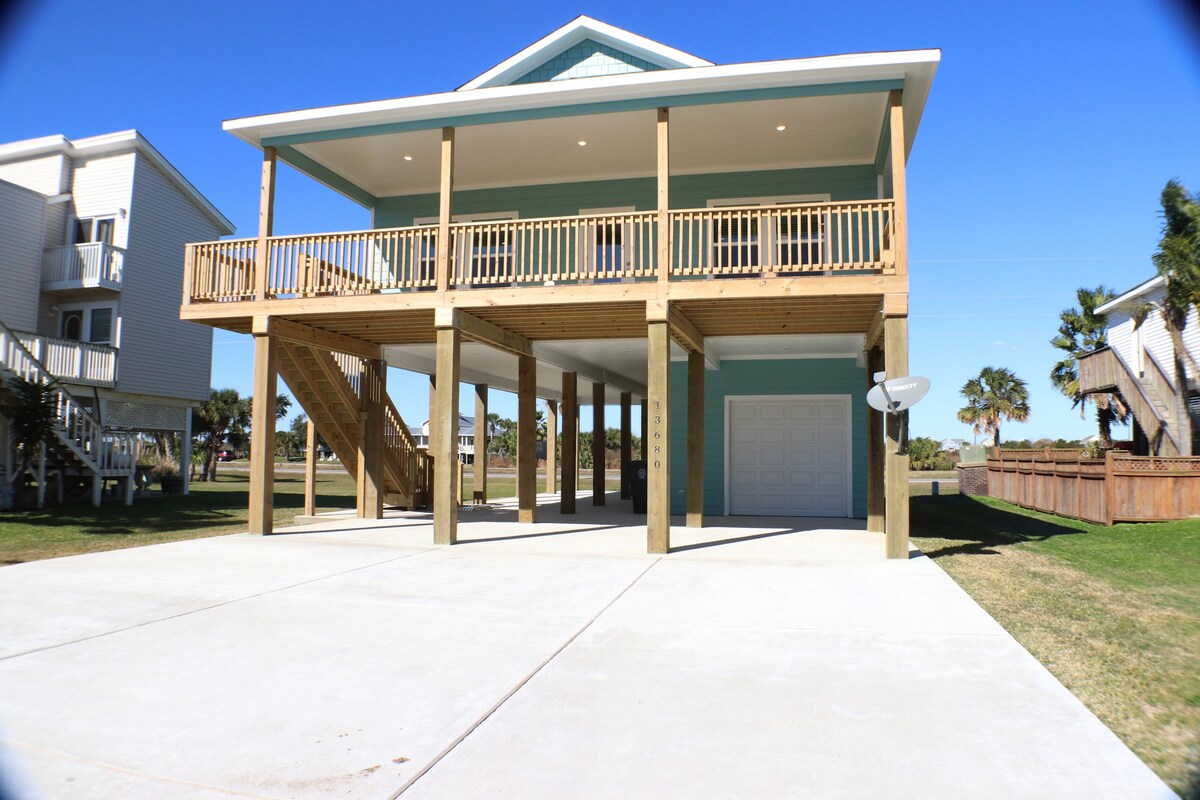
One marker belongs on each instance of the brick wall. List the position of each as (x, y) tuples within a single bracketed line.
[(972, 479)]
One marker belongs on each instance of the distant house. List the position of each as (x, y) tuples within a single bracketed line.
[(466, 436), (1138, 364), (952, 445), (93, 234)]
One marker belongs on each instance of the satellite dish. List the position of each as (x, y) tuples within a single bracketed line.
[(898, 394)]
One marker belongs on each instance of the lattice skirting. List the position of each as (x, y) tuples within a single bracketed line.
[(145, 416)]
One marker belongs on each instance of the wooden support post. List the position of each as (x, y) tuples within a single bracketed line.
[(664, 196), (185, 453), (372, 383), (597, 444), (526, 439), (266, 223), (658, 465), (551, 447), (570, 441), (97, 490), (41, 478), (310, 471), (481, 457), (875, 450), (443, 432), (899, 184), (432, 408), (645, 429), (445, 194), (695, 439), (262, 435), (626, 441), (895, 352)]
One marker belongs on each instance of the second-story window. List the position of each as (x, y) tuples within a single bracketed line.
[(95, 229)]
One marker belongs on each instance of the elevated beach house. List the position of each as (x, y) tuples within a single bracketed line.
[(599, 217), (93, 233), (1139, 365)]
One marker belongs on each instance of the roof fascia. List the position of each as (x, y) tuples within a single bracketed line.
[(575, 31), (1142, 288), (581, 109), (822, 70)]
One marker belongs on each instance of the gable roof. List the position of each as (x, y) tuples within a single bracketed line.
[(113, 144), (642, 52)]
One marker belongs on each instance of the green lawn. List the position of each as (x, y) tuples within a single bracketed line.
[(1114, 612), (211, 509)]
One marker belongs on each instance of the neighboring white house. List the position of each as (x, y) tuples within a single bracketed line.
[(952, 445), (1138, 364), (92, 267), (466, 437)]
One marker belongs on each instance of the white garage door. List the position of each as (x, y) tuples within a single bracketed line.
[(789, 456)]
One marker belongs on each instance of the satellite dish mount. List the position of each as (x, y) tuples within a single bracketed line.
[(896, 396)]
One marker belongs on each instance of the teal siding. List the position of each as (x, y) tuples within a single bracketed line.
[(687, 191), (585, 60), (767, 377)]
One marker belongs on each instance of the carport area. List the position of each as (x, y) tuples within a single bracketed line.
[(760, 658)]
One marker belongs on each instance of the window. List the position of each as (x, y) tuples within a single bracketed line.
[(96, 229), (72, 325), (488, 250), (100, 328), (95, 325)]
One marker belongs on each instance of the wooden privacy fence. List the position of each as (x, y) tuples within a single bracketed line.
[(1116, 488)]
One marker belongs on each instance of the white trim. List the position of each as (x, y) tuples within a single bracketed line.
[(849, 406), (781, 357), (1157, 282), (571, 34), (913, 66)]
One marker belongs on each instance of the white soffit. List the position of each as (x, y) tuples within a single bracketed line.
[(820, 131), (571, 34)]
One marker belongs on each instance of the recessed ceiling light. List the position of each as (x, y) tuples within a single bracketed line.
[(781, 127), (582, 143), (408, 158)]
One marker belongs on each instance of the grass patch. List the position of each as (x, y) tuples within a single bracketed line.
[(1114, 612), (212, 509)]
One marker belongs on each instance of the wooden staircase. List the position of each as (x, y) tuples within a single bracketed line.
[(1105, 371), (327, 387), (81, 446)]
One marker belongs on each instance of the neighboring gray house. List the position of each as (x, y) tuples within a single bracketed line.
[(1139, 363), (92, 267)]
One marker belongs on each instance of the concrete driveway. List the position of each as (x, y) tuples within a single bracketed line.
[(558, 660)]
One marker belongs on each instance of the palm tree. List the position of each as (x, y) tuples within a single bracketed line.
[(994, 395), (223, 417), (1082, 331), (1178, 261), (33, 421)]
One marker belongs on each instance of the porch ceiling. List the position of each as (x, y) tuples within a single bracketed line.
[(820, 131)]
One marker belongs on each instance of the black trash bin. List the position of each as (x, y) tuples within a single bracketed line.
[(636, 475)]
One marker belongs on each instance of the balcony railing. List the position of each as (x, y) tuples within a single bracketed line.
[(764, 241), (73, 362), (83, 266)]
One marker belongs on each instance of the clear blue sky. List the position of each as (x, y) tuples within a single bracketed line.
[(1049, 133)]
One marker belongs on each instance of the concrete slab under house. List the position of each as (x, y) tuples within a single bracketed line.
[(600, 218)]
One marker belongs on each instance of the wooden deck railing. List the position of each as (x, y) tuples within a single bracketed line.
[(750, 241), (1117, 488)]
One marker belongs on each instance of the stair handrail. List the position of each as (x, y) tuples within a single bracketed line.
[(398, 441), (79, 427), (1164, 424)]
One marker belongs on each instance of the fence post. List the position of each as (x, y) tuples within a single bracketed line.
[(1110, 488)]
